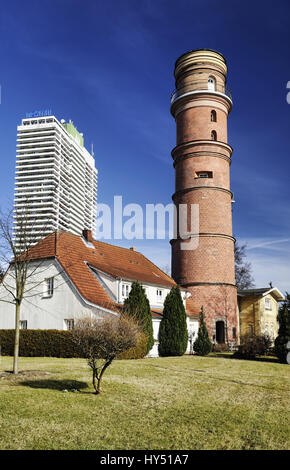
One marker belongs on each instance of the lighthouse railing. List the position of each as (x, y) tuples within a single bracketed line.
[(199, 86)]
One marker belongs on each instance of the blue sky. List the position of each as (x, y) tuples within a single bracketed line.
[(108, 66)]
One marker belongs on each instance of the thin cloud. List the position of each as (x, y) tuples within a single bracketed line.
[(269, 243)]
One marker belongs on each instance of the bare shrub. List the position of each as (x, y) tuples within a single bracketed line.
[(252, 345), (221, 347), (101, 340)]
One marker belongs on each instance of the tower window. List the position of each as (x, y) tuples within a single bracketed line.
[(204, 174), (213, 135), (211, 83), (213, 116)]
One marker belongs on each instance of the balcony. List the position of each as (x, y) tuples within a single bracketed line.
[(200, 87)]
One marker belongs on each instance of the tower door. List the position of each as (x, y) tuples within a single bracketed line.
[(220, 332)]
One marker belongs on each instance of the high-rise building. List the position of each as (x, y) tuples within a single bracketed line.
[(55, 181), (200, 105)]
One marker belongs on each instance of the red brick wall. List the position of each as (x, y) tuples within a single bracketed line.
[(208, 270), (194, 124), (220, 304), (212, 261)]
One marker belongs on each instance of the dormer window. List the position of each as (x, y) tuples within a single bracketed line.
[(125, 290), (211, 83), (213, 135), (213, 116), (159, 295)]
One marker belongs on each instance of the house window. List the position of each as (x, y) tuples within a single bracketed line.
[(159, 295), (268, 304), (211, 83), (48, 287), (204, 174), (23, 324), (234, 333), (213, 116), (69, 324), (250, 329), (125, 290), (213, 135)]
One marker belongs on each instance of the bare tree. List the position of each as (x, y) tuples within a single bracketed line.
[(243, 269), (17, 237), (166, 269), (100, 341)]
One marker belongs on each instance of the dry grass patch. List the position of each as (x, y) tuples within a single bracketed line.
[(159, 403)]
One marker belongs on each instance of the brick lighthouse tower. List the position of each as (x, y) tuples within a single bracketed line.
[(200, 105)]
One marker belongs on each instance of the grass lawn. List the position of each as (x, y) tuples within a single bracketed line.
[(160, 403)]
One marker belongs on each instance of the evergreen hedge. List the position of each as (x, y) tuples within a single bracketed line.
[(39, 343), (202, 345), (173, 335), (54, 343), (138, 306)]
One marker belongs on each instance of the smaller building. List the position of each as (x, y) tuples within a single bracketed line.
[(258, 310), (72, 275)]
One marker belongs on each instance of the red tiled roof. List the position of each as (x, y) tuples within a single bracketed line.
[(191, 309), (156, 313), (74, 255)]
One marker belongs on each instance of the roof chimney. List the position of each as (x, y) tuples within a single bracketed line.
[(87, 234), (133, 248)]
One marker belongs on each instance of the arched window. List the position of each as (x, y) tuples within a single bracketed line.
[(211, 83), (213, 135), (213, 116)]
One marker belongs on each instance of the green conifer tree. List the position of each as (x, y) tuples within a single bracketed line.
[(202, 345), (138, 306), (284, 330), (173, 335)]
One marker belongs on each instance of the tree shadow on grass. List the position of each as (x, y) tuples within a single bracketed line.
[(224, 355), (233, 356), (61, 385)]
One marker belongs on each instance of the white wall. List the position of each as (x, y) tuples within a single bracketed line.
[(44, 312), (50, 312), (156, 324), (109, 283), (114, 285), (192, 328)]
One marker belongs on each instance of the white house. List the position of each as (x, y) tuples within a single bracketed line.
[(75, 274)]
